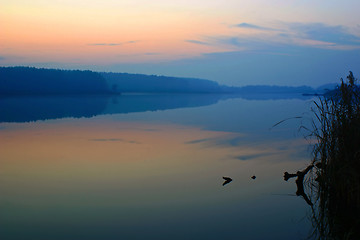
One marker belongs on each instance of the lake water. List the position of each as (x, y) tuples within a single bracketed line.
[(151, 167)]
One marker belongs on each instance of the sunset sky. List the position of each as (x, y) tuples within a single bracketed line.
[(233, 42)]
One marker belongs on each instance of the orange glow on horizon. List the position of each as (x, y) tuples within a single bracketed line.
[(94, 32), (111, 36)]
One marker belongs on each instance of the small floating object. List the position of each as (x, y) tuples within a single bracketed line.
[(227, 180), (253, 177)]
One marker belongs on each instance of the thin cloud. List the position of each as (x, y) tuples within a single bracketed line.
[(197, 42), (248, 42), (112, 44), (112, 140), (198, 141), (312, 35), (105, 44), (338, 35), (252, 26), (139, 54)]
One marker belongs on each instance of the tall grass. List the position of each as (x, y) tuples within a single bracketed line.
[(336, 177)]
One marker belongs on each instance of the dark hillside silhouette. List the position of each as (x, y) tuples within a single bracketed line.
[(34, 81), (125, 82)]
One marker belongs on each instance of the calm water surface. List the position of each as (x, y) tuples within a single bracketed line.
[(145, 168)]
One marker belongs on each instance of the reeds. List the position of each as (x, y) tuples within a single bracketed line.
[(335, 183)]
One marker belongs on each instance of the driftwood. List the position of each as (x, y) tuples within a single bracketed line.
[(300, 182), (227, 180)]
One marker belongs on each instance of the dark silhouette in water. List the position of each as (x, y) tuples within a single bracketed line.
[(300, 182), (33, 108), (253, 177), (227, 180)]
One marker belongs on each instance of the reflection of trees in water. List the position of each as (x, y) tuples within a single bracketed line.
[(33, 108), (334, 183)]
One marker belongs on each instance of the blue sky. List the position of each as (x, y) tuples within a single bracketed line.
[(232, 42)]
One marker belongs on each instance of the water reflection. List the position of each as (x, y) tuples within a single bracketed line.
[(33, 108), (153, 175)]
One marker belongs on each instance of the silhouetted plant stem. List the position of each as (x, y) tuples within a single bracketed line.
[(336, 180)]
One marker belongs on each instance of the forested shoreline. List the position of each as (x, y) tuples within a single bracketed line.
[(41, 81)]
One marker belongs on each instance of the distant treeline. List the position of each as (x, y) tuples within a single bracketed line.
[(125, 82), (34, 81)]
